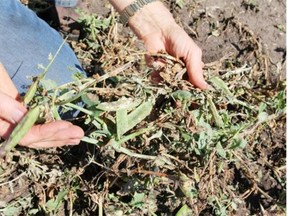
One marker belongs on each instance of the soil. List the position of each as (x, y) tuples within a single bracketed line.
[(261, 17), (205, 21)]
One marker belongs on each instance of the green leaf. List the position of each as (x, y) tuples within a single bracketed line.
[(11, 211), (280, 102), (162, 161), (54, 204), (262, 117), (122, 103), (68, 97), (90, 99), (50, 57), (186, 186), (238, 143), (220, 150), (181, 95), (48, 84), (221, 86), (90, 140), (121, 121), (138, 200), (126, 122), (139, 114), (184, 211), (33, 211), (262, 107), (180, 3)]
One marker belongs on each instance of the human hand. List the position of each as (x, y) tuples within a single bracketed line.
[(177, 43), (155, 25), (52, 134)]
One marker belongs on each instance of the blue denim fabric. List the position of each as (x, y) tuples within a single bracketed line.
[(64, 3), (26, 41)]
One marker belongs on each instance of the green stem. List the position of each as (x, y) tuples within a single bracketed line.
[(117, 145), (74, 106)]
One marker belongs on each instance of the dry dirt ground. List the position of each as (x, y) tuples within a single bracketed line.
[(206, 21), (187, 178)]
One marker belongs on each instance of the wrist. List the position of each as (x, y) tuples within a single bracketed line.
[(153, 18)]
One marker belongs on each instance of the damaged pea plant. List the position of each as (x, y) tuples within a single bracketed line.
[(191, 122)]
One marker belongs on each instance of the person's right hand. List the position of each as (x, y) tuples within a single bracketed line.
[(155, 25), (52, 134)]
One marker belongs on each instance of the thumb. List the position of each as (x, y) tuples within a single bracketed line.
[(10, 109), (153, 46)]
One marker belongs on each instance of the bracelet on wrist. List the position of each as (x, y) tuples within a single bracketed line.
[(132, 9)]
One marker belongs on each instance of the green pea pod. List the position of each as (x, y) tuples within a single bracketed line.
[(20, 130), (221, 85), (138, 115), (31, 92), (217, 118)]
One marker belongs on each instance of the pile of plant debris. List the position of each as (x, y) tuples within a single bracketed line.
[(156, 148)]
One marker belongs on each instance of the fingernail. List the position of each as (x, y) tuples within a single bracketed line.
[(17, 115)]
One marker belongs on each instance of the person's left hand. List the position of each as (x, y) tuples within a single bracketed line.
[(53, 134)]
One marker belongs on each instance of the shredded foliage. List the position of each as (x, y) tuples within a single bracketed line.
[(155, 148)]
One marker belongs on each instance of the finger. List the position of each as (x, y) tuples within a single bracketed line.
[(10, 109), (67, 134), (50, 134), (194, 66), (5, 128), (153, 45)]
